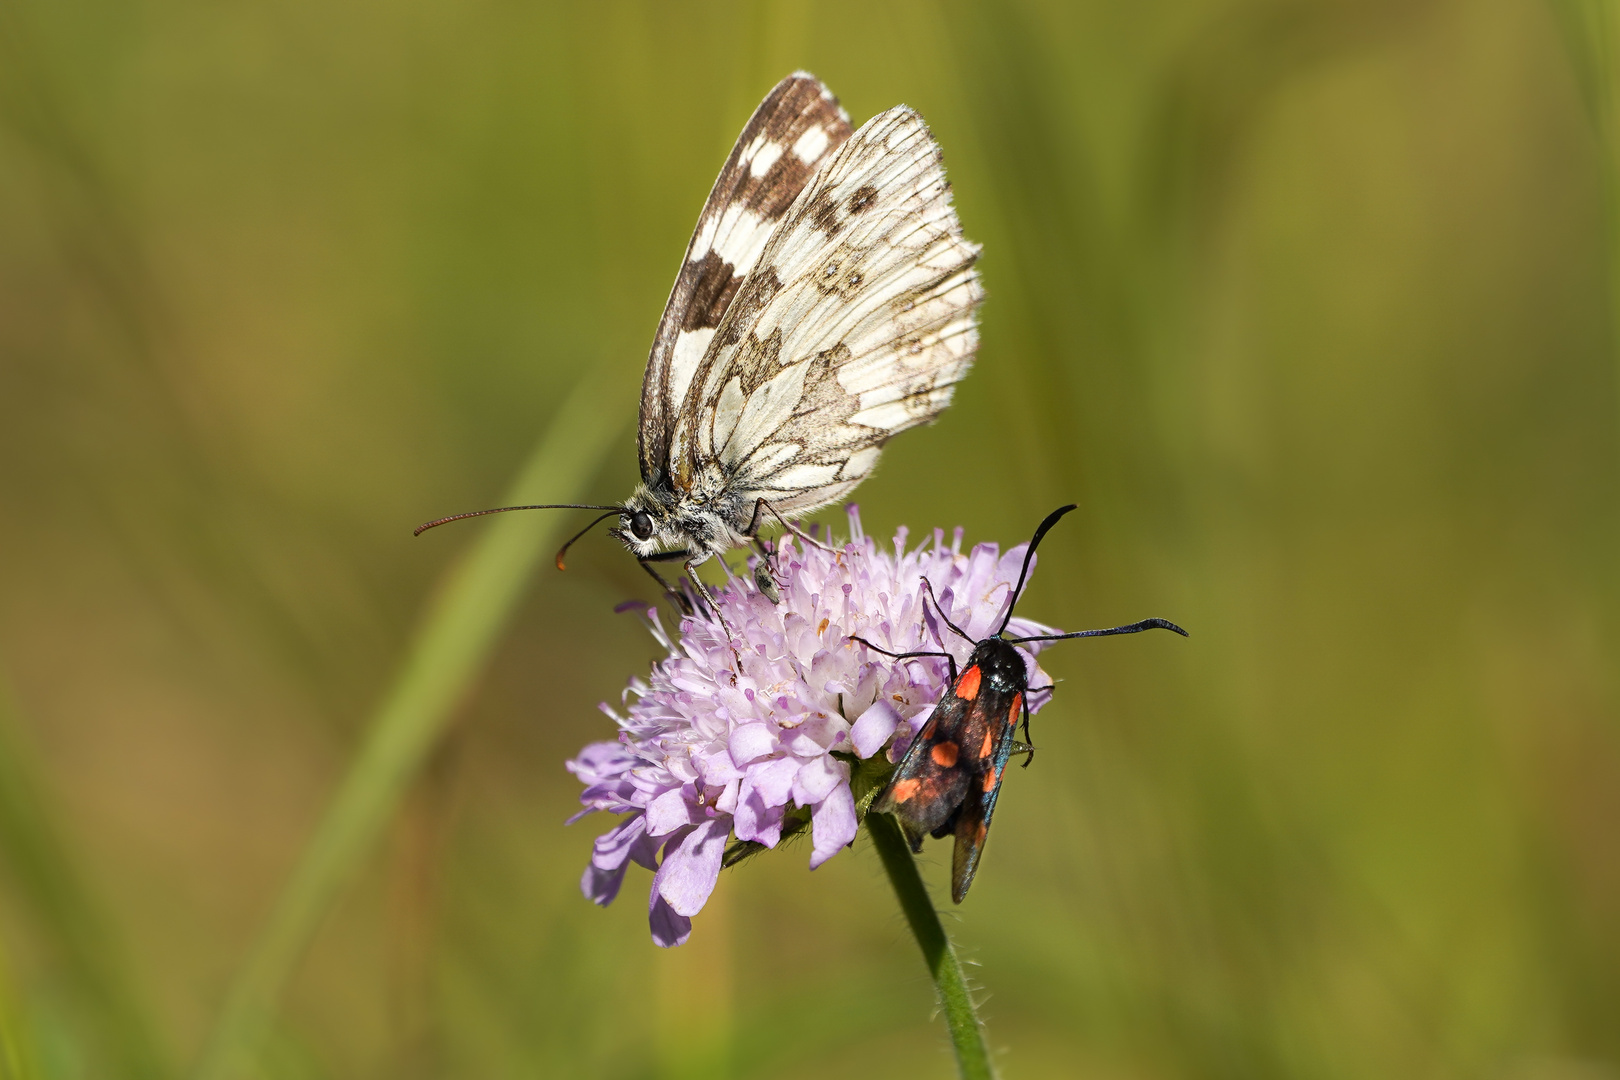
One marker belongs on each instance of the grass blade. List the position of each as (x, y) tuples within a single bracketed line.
[(119, 1037), (463, 622)]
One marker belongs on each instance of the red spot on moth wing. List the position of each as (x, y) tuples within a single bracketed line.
[(904, 789), (944, 754), (1017, 707), (967, 687), (989, 743), (991, 779)]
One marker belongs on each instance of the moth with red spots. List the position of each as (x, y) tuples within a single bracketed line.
[(951, 775)]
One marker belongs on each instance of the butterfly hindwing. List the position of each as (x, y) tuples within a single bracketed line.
[(854, 324), (790, 135)]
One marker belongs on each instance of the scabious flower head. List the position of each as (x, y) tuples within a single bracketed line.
[(707, 752)]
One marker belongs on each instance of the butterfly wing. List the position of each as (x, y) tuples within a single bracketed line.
[(854, 324), (790, 135)]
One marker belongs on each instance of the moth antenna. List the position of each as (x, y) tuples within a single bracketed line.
[(564, 549), (1034, 542), (896, 655), (420, 529), (1133, 628), (948, 658), (963, 634)]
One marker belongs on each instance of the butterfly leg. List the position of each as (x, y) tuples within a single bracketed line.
[(692, 575), (681, 602), (760, 506)]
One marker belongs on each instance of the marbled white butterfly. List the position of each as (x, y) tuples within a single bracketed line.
[(826, 302)]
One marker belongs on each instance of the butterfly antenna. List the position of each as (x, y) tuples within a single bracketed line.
[(1029, 554), (420, 529), (963, 634), (1133, 628), (594, 523)]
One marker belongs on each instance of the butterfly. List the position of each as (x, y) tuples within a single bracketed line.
[(826, 303), (950, 777)]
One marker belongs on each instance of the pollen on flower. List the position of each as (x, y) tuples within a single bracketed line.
[(707, 755)]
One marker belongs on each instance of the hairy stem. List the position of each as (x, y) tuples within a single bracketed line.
[(967, 1035)]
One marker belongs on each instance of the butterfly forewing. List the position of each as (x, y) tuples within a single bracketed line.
[(790, 135), (853, 325)]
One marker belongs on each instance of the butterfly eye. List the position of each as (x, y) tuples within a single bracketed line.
[(641, 525)]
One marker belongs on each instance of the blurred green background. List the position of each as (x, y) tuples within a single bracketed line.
[(1308, 304)]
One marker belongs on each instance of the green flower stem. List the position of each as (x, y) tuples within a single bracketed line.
[(463, 622), (967, 1035)]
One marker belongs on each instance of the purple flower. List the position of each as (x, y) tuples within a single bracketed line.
[(707, 753)]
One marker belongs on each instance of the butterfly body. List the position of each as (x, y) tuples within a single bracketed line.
[(701, 523)]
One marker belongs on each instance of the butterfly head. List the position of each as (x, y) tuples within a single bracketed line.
[(648, 524)]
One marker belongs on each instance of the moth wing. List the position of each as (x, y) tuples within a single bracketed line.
[(790, 135), (854, 325), (979, 801), (927, 788)]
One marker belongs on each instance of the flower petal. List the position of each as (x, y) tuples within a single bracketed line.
[(818, 778), (668, 812), (756, 820), (601, 761), (773, 780), (716, 768), (750, 742), (601, 886), (874, 727), (833, 825), (689, 872), (668, 928), (613, 847)]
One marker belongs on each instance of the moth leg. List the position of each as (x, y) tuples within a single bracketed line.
[(680, 601), (1026, 747), (760, 506)]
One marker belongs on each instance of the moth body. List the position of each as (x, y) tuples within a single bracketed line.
[(951, 774)]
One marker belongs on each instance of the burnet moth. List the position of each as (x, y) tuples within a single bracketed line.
[(951, 774)]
